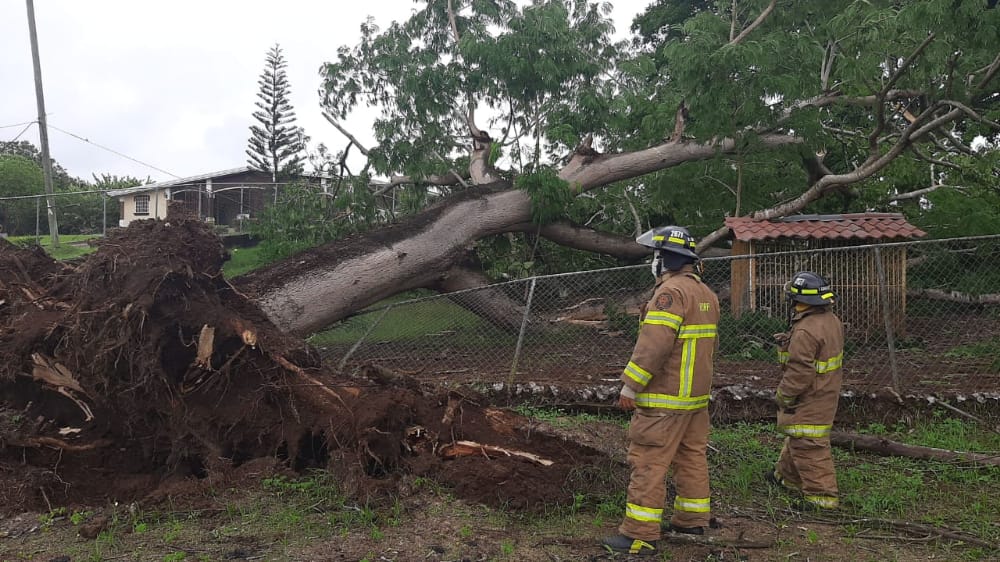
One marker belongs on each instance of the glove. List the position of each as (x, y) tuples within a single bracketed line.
[(782, 338), (785, 402), (626, 400)]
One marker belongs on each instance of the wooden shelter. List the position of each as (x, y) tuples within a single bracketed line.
[(860, 281)]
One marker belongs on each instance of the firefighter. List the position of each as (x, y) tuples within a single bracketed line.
[(667, 382), (811, 355)]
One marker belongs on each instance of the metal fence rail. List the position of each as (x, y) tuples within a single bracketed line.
[(922, 318)]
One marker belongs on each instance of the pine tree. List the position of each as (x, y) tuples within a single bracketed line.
[(276, 145)]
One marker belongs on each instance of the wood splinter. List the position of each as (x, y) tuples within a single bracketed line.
[(467, 448)]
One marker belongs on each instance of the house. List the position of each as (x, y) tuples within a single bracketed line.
[(870, 282), (227, 197)]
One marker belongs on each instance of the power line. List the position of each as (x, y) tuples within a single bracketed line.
[(113, 151), (16, 125), (24, 130)]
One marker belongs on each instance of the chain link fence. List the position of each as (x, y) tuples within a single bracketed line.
[(921, 318)]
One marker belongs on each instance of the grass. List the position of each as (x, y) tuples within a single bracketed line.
[(70, 245), (989, 349), (416, 321), (243, 260), (287, 514)]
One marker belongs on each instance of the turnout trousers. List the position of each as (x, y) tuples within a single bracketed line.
[(658, 441), (806, 464)]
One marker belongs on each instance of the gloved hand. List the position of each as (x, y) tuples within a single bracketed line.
[(782, 338), (786, 403), (626, 400)]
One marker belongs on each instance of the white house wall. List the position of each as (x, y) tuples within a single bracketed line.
[(157, 206)]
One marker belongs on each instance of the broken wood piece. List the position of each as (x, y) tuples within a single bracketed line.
[(43, 441), (467, 448), (354, 392), (206, 345), (714, 541), (454, 402), (59, 378), (248, 336), (887, 447), (88, 415), (50, 371), (504, 422)]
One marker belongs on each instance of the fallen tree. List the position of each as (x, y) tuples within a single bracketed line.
[(141, 364), (558, 134)]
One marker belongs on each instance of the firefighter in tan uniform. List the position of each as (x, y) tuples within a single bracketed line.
[(667, 382), (811, 355)]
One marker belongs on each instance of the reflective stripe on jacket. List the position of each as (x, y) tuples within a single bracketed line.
[(811, 373), (672, 363)]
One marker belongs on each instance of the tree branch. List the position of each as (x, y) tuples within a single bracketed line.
[(344, 132), (991, 71), (865, 170), (586, 171), (928, 159), (582, 238), (968, 111), (835, 98), (435, 180), (635, 213), (679, 120), (917, 193), (451, 20), (756, 23), (479, 162), (880, 96)]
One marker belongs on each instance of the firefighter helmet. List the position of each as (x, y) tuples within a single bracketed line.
[(810, 288), (673, 239)]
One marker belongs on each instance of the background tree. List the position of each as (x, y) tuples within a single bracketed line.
[(749, 107), (19, 176), (276, 144)]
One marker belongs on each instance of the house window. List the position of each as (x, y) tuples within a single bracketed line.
[(142, 204)]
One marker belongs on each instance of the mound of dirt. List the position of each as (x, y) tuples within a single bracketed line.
[(142, 365)]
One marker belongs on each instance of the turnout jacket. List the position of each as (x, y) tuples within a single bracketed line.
[(811, 373), (671, 366)]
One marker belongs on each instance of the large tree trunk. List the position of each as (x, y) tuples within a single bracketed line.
[(320, 286)]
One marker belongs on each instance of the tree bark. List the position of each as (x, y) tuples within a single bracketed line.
[(314, 289), (886, 447)]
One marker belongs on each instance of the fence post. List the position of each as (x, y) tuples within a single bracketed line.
[(38, 213), (520, 337), (104, 214), (357, 344), (890, 338)]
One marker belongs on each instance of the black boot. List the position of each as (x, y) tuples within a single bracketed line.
[(628, 545), (771, 478)]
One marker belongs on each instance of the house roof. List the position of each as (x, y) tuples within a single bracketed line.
[(192, 179), (860, 226)]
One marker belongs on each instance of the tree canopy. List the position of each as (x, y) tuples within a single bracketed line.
[(851, 81), (542, 142)]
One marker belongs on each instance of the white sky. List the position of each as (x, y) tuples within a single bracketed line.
[(173, 84)]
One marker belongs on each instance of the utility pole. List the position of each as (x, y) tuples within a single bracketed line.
[(43, 129)]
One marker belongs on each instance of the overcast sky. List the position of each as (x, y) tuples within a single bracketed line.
[(173, 84)]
